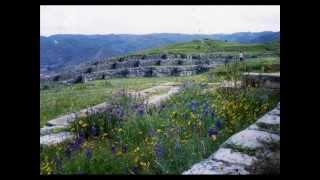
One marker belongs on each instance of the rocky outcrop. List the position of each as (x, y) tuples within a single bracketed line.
[(255, 150)]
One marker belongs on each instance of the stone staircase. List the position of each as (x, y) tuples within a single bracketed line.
[(242, 152)]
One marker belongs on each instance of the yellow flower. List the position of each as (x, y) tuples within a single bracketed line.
[(143, 163), (120, 129), (136, 159), (158, 130), (84, 125), (137, 149), (213, 137)]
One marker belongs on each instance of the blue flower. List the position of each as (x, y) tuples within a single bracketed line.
[(125, 149), (113, 150), (206, 109), (58, 163), (135, 170), (213, 115), (160, 151), (193, 105), (89, 153), (141, 110), (94, 131), (212, 132), (218, 124), (178, 147)]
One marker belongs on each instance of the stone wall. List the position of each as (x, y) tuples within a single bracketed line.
[(255, 150)]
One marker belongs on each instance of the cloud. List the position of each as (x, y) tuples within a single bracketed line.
[(157, 19)]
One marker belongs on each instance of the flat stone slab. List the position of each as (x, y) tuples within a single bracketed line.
[(270, 118), (230, 156), (156, 100), (212, 167), (276, 74), (251, 139), (50, 129), (57, 138)]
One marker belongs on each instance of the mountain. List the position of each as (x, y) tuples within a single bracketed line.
[(59, 51)]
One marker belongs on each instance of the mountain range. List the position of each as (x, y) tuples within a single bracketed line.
[(59, 51)]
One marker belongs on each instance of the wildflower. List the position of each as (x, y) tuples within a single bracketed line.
[(135, 170), (193, 105), (213, 132), (174, 114), (94, 131), (58, 163), (206, 109), (113, 150), (218, 124), (125, 149), (158, 130), (213, 115), (178, 147), (141, 110), (160, 151), (137, 149), (89, 153)]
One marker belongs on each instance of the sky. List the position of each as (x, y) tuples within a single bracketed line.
[(157, 19)]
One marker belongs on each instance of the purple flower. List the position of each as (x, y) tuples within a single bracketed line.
[(206, 109), (218, 124), (160, 151), (178, 147), (58, 163), (141, 110), (125, 149), (89, 153), (193, 105), (213, 132), (213, 115), (113, 150), (135, 170), (94, 131)]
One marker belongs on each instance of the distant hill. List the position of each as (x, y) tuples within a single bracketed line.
[(58, 51)]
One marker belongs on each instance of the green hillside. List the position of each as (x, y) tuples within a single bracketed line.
[(212, 46)]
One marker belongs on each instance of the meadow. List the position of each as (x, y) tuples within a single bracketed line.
[(59, 100), (132, 138)]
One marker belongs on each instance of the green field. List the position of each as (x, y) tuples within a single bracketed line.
[(210, 46), (61, 100)]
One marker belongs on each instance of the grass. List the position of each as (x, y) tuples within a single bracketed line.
[(213, 46), (61, 100), (181, 133)]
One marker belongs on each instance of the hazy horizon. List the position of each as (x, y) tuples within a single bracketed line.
[(141, 20)]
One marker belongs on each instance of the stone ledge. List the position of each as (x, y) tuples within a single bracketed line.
[(216, 168), (251, 139), (57, 138)]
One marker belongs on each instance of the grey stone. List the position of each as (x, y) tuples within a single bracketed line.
[(251, 139), (212, 167), (50, 129), (230, 156), (270, 119), (52, 139)]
